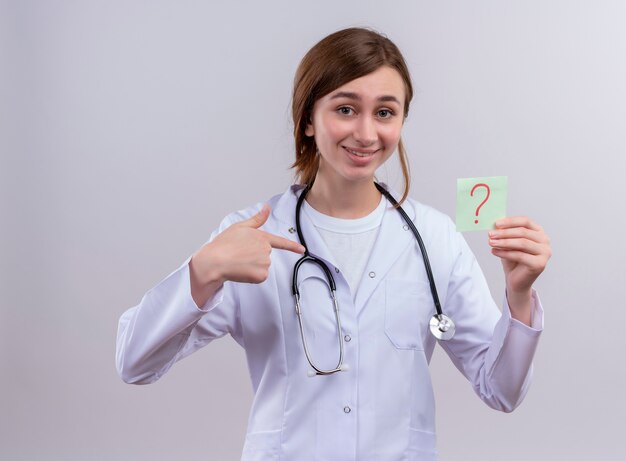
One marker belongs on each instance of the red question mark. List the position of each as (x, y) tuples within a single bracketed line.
[(484, 201)]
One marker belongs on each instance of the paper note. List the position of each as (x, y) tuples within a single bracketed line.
[(480, 202)]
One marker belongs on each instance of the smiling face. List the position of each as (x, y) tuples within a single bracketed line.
[(357, 126)]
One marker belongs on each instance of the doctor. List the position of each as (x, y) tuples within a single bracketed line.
[(351, 96)]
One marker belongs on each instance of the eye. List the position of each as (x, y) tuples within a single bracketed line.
[(345, 110), (385, 113)]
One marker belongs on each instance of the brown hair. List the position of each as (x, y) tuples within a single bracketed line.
[(334, 61)]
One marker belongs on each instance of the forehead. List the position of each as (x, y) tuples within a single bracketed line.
[(384, 81)]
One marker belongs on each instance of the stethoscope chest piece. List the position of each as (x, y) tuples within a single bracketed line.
[(442, 327)]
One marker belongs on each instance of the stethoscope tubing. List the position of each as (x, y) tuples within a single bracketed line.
[(420, 242), (441, 326)]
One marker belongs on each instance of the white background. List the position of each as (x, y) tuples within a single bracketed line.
[(130, 128)]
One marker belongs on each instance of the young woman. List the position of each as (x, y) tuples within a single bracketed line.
[(343, 374)]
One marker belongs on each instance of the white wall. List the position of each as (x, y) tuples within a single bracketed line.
[(129, 128)]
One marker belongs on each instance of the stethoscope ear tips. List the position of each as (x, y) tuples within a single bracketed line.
[(442, 327)]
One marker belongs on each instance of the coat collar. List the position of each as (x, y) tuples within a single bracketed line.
[(391, 242)]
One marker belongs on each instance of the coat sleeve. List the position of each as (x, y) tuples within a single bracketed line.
[(493, 350), (167, 325)]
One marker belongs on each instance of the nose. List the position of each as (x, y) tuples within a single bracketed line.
[(365, 131)]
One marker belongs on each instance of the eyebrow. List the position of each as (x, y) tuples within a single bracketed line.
[(356, 97)]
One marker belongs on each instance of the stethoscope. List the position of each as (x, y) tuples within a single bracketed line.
[(441, 326)]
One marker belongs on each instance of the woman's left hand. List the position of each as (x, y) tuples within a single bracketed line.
[(524, 249)]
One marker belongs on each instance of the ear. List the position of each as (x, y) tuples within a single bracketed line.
[(309, 130)]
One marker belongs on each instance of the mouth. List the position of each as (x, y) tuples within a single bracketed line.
[(363, 153)]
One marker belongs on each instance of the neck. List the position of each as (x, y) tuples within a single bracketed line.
[(347, 200)]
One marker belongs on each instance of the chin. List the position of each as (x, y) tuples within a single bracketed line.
[(360, 177)]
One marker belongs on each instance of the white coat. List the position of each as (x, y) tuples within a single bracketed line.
[(382, 408)]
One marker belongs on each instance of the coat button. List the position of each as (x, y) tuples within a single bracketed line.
[(347, 409), (292, 230), (405, 227), (347, 338), (372, 274), (337, 269)]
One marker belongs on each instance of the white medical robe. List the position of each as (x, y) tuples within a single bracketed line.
[(382, 408)]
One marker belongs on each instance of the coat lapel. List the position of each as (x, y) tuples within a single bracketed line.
[(393, 239), (285, 213)]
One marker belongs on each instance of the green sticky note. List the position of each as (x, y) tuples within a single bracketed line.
[(480, 202)]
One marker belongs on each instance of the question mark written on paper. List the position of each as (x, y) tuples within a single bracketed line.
[(476, 186), (472, 197)]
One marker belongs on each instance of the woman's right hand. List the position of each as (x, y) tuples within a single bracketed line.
[(241, 253)]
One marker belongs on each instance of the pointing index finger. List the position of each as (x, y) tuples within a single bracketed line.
[(283, 244)]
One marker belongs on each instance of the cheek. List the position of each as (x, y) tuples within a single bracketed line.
[(391, 134), (333, 131)]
